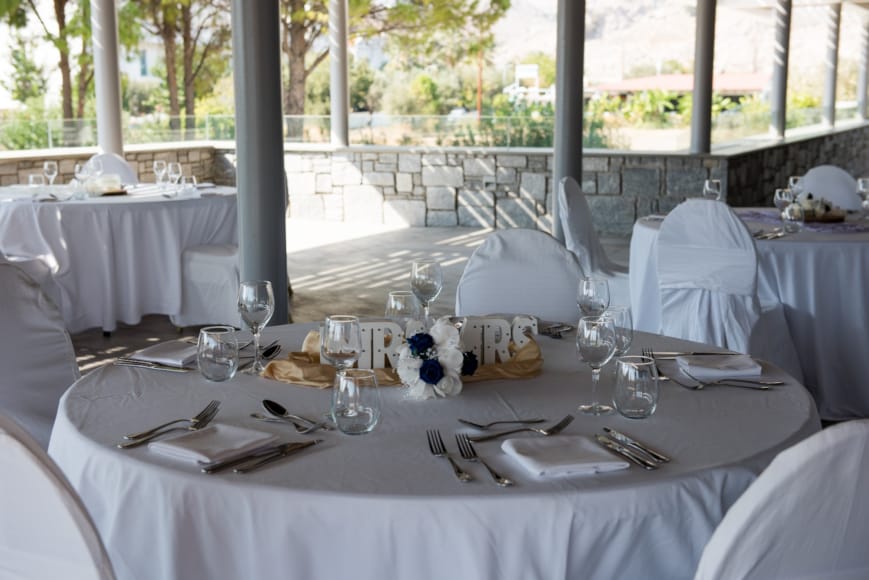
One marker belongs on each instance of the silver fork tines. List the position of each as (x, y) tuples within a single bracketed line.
[(466, 448), (193, 420), (438, 449), (202, 420)]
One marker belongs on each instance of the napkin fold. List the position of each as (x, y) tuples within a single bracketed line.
[(213, 443), (173, 353), (712, 367), (561, 455)]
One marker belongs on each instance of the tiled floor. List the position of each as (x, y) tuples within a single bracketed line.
[(334, 268)]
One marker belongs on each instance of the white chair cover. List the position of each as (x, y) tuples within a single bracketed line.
[(833, 184), (520, 271), (209, 286), (114, 163), (36, 354), (806, 516), (707, 274), (580, 236), (45, 530)]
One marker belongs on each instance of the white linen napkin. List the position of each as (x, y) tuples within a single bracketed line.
[(173, 353), (562, 455), (712, 367), (213, 443)]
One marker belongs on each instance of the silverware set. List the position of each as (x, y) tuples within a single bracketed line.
[(259, 458), (770, 235), (438, 449), (556, 330), (740, 382), (195, 423), (557, 428), (144, 364), (466, 449)]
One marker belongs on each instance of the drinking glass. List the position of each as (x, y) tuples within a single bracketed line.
[(159, 171), (782, 198), (624, 327), (256, 303), (96, 167), (593, 296), (173, 172), (341, 342), (596, 345), (188, 184), (356, 401), (863, 191), (426, 281), (36, 180), (49, 168), (793, 218), (795, 185), (712, 189), (217, 353), (636, 391), (402, 307)]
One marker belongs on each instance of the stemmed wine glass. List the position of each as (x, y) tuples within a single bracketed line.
[(783, 198), (173, 172), (593, 296), (863, 191), (96, 167), (341, 342), (159, 171), (256, 303), (49, 168), (624, 327), (712, 189), (402, 307), (596, 345), (426, 281), (795, 184)]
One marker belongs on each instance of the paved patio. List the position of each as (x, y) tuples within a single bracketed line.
[(334, 268)]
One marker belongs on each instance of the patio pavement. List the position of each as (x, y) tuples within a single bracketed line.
[(334, 267)]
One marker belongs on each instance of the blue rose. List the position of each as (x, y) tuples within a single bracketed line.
[(420, 343), (469, 363), (431, 371)]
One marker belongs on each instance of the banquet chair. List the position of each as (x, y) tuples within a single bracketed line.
[(806, 516), (45, 530), (707, 276), (833, 184), (36, 354), (209, 286), (581, 238), (115, 164), (520, 271)]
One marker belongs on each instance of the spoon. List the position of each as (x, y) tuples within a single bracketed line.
[(277, 410)]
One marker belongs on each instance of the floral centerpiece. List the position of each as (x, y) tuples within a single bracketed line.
[(431, 363)]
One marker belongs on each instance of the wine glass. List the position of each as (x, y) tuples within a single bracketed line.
[(782, 198), (636, 391), (173, 172), (49, 168), (159, 171), (863, 191), (593, 296), (402, 307), (256, 303), (217, 353), (795, 185), (712, 189), (426, 281), (596, 345), (624, 327), (96, 167), (341, 342), (355, 401)]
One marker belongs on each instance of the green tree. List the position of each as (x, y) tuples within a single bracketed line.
[(28, 78)]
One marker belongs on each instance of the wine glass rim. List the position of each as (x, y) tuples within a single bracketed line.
[(216, 329), (636, 360), (425, 261), (401, 293), (342, 317), (255, 282)]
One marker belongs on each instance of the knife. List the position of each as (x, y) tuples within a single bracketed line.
[(625, 452), (670, 354), (143, 364), (274, 457), (627, 440), (261, 453)]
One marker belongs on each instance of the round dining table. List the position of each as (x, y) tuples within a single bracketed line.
[(380, 505), (821, 277), (114, 258)]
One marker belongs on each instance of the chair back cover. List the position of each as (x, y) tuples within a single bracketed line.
[(520, 271), (114, 163), (45, 530), (36, 354), (806, 516), (833, 184), (707, 273), (580, 236)]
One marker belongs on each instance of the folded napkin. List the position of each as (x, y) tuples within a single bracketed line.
[(173, 353), (712, 367), (562, 455), (213, 443)]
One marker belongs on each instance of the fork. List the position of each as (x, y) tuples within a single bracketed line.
[(649, 353), (198, 417), (202, 420), (484, 426), (466, 448), (438, 449), (557, 428), (760, 385)]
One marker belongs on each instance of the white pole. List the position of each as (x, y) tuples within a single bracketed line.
[(104, 30)]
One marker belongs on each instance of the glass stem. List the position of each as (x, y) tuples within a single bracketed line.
[(595, 377), (256, 338)]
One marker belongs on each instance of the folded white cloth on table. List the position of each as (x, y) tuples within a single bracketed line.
[(561, 456), (711, 367), (213, 443), (173, 353)]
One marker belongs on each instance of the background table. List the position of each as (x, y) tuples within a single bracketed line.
[(821, 278), (381, 506), (116, 258)]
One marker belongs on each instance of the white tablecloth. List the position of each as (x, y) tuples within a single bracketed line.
[(821, 278), (380, 506), (115, 258)]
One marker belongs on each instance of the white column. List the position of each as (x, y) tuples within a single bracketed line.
[(704, 56), (863, 80), (778, 98), (828, 104), (339, 93), (104, 27)]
